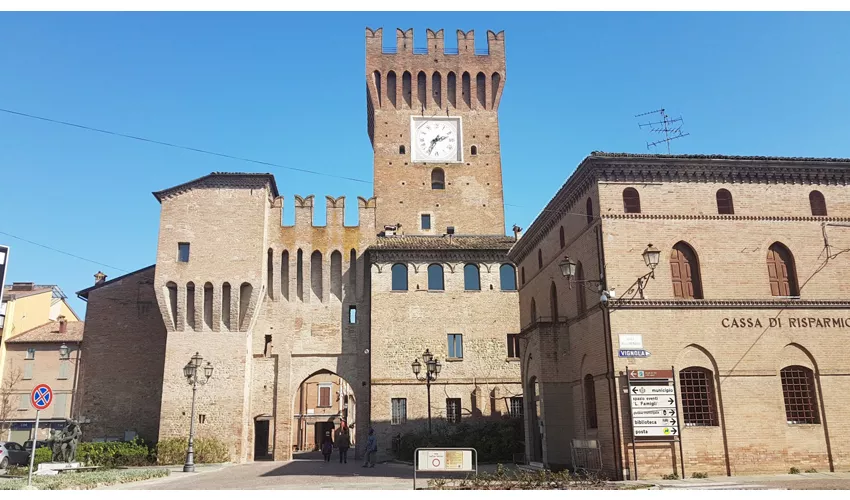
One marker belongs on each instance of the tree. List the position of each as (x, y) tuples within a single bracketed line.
[(7, 396)]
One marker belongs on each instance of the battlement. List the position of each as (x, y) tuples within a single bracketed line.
[(435, 44), (335, 216)]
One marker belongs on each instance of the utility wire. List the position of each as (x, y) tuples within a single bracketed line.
[(178, 146), (62, 251)]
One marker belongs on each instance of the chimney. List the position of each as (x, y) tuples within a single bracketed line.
[(517, 232), (99, 278), (23, 286), (63, 324)]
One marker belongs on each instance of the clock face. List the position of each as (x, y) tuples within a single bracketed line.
[(436, 140)]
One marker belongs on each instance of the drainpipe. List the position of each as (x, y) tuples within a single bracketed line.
[(611, 376)]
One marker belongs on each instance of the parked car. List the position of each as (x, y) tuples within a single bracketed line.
[(28, 445), (12, 454)]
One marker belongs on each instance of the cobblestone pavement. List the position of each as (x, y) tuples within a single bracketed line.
[(806, 481)]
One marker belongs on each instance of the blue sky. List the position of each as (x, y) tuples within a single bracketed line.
[(289, 88)]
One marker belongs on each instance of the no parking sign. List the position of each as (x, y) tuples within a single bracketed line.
[(41, 397)]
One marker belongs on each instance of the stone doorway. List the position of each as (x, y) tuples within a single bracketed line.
[(323, 402), (261, 439)]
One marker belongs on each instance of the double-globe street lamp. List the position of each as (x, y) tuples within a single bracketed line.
[(432, 369), (190, 371)]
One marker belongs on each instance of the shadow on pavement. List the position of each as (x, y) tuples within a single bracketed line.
[(313, 464)]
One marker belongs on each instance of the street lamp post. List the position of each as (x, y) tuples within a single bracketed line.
[(651, 256), (432, 369), (190, 371)]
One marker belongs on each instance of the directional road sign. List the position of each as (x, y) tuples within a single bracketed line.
[(665, 412), (41, 396), (650, 374), (656, 431), (654, 422), (653, 401), (652, 389)]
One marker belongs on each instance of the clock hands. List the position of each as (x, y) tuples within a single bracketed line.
[(434, 142)]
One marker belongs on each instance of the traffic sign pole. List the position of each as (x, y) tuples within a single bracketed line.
[(34, 446)]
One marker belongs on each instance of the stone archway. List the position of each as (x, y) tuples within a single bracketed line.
[(323, 403)]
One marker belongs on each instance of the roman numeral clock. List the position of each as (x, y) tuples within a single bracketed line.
[(436, 139)]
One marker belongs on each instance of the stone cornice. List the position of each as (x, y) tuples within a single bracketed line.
[(621, 167), (469, 255), (728, 304), (770, 218)]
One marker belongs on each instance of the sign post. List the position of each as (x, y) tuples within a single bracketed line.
[(654, 409), (444, 460), (40, 398)]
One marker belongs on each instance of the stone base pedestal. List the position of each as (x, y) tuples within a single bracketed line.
[(53, 468)]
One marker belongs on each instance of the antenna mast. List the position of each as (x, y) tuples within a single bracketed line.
[(670, 127)]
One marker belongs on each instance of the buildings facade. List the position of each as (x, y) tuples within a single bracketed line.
[(274, 306), (747, 307)]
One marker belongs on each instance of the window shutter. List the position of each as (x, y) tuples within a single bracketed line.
[(324, 396), (59, 405), (24, 402), (777, 270), (63, 369), (27, 371), (676, 273)]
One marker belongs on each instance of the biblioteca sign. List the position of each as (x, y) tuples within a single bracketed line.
[(785, 322)]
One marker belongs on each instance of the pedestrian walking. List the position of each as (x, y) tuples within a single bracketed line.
[(343, 442), (371, 449), (327, 446)]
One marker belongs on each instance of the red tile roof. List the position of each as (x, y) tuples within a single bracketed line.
[(49, 332)]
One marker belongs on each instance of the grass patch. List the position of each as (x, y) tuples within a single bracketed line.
[(84, 480), (699, 475), (504, 479)]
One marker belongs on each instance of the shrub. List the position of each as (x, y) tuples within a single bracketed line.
[(674, 475), (42, 455), (84, 480), (494, 440), (115, 454), (518, 479), (793, 470), (811, 470), (173, 451), (699, 475)]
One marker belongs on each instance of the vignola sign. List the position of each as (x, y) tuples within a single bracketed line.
[(786, 322)]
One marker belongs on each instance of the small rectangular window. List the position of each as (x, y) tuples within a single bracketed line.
[(182, 252), (24, 402), (399, 411), (513, 345), (426, 221), (516, 407), (453, 410), (63, 369), (455, 345), (352, 315), (31, 353), (28, 371), (325, 395)]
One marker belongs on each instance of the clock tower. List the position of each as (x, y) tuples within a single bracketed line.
[(434, 127)]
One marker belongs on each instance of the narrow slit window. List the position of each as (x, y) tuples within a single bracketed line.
[(352, 315), (182, 252)]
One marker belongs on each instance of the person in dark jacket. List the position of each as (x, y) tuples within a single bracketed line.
[(371, 449), (343, 442), (327, 446)]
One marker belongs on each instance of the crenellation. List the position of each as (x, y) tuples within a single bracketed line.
[(404, 41), (304, 211), (436, 42), (466, 42)]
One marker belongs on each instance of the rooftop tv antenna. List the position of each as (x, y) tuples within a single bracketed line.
[(670, 127)]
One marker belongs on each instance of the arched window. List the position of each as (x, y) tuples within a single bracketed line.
[(378, 85), (724, 202), (402, 150), (494, 88), (481, 89), (561, 237), (465, 89), (471, 277), (435, 277), (539, 258), (172, 300), (270, 275), (208, 305), (589, 210), (225, 305), (590, 402), (473, 150), (781, 271), (698, 401), (190, 305), (406, 87), (684, 269), (245, 292), (533, 311), (798, 391), (438, 179), (399, 272), (316, 274), (553, 301), (451, 87), (631, 201), (352, 271), (420, 82), (818, 203), (299, 274), (391, 87), (581, 296), (336, 274), (284, 274), (437, 89), (507, 277)]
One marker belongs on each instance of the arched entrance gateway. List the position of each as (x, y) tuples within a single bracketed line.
[(324, 401)]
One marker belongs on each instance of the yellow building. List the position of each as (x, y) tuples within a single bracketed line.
[(26, 306)]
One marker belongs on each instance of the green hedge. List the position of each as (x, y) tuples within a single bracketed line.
[(494, 440), (207, 451), (136, 453)]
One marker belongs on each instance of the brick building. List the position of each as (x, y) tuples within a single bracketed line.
[(747, 306), (273, 306)]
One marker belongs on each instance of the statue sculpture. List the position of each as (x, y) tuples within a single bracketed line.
[(64, 443)]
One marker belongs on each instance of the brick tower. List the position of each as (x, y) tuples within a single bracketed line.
[(433, 123)]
